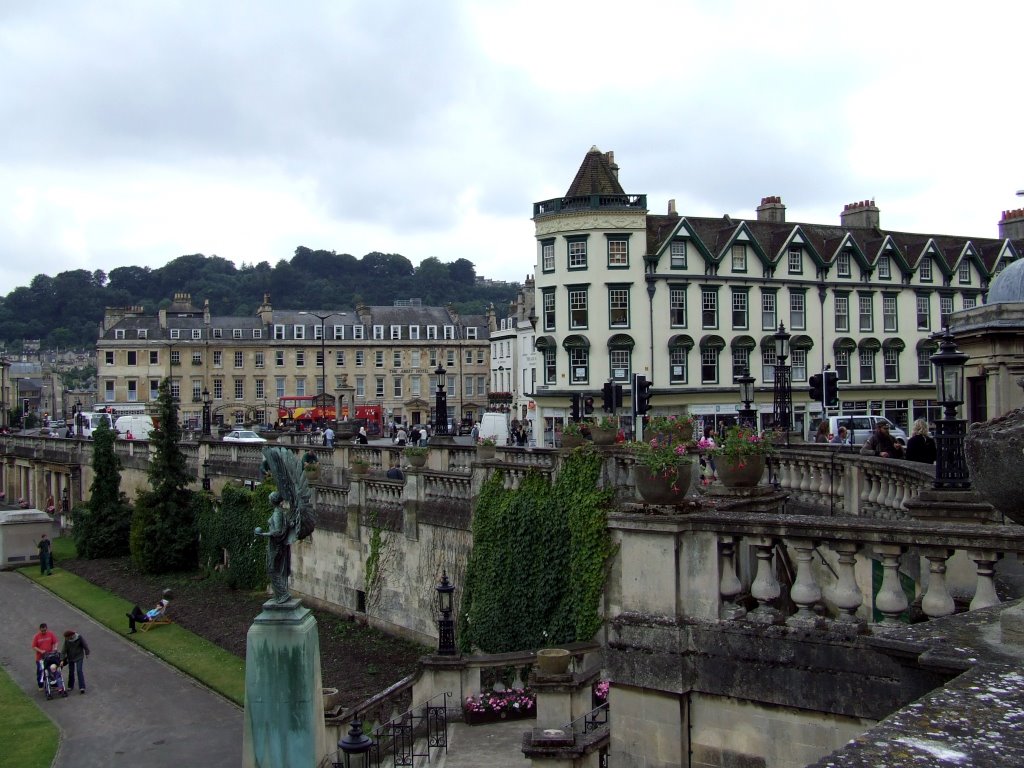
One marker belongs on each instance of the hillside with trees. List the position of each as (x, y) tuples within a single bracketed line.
[(65, 311)]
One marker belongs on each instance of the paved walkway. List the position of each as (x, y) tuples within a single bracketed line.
[(499, 745), (138, 712)]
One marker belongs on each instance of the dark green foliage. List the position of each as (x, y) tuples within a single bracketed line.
[(163, 536), (101, 525), (539, 560), (64, 310), (227, 527)]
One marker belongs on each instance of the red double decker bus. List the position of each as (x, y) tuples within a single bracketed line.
[(307, 409)]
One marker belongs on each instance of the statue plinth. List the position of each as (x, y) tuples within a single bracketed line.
[(284, 713)]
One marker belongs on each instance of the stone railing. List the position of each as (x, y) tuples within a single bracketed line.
[(725, 565), (838, 482)]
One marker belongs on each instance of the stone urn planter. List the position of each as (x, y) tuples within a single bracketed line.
[(553, 661), (486, 452), (416, 459), (573, 441), (740, 474), (603, 436), (656, 488), (358, 469), (331, 698)]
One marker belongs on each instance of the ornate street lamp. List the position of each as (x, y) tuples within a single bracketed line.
[(748, 416), (78, 418), (323, 353), (446, 624), (441, 403), (782, 403), (950, 462), (355, 747), (207, 403)]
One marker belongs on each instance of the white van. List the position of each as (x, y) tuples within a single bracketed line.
[(90, 421), (139, 426), (495, 426), (859, 428)]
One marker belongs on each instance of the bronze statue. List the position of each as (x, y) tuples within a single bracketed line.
[(293, 517)]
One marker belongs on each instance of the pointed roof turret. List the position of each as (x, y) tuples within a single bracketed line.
[(598, 175)]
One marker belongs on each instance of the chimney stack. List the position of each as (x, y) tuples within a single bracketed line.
[(1011, 226), (610, 157), (672, 208), (862, 215), (771, 209)]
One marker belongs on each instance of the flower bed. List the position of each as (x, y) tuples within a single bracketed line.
[(493, 706)]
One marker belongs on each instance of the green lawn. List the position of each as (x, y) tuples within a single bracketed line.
[(213, 666), (28, 736)]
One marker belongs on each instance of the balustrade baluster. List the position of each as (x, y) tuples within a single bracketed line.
[(891, 601), (765, 587), (729, 586), (890, 493), (847, 595), (805, 592), (937, 601), (985, 591)]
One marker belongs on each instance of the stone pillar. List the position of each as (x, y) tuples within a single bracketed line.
[(561, 700), (284, 713)]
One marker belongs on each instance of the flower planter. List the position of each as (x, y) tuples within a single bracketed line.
[(573, 441), (660, 489), (603, 436), (553, 661), (359, 469), (740, 474), (470, 717), (486, 452), (417, 460)]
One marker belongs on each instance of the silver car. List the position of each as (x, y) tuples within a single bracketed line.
[(243, 436)]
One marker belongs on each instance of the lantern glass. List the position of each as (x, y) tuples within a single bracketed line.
[(950, 382), (781, 342), (444, 594), (440, 374), (746, 382)]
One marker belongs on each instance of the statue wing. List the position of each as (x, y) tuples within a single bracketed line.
[(285, 467)]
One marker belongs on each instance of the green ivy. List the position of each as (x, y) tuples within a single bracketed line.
[(539, 560), (373, 558), (228, 526)]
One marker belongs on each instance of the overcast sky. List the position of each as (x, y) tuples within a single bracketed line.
[(134, 132)]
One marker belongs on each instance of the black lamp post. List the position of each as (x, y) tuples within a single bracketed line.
[(748, 416), (782, 404), (950, 462), (323, 354), (78, 418), (441, 403), (206, 474), (446, 624), (207, 403), (355, 747)]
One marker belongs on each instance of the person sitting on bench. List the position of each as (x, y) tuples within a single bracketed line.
[(153, 614)]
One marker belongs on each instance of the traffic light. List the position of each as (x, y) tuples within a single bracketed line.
[(24, 405), (608, 397), (641, 393), (574, 413), (588, 405), (831, 389), (815, 390)]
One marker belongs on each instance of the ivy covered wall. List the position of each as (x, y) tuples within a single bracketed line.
[(539, 560)]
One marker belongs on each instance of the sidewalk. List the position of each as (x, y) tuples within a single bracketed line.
[(138, 711), (498, 745)]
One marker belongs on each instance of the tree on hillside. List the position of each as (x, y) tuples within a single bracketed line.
[(163, 536), (102, 523)]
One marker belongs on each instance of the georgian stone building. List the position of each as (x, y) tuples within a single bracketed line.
[(384, 356), (690, 302)]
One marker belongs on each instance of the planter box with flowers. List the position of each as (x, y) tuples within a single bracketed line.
[(740, 458), (574, 434), (494, 706), (486, 448)]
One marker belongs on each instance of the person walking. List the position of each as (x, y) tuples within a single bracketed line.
[(401, 436), (73, 653), (45, 556), (43, 642), (329, 437), (921, 445)]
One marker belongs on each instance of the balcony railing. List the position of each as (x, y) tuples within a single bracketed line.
[(590, 202)]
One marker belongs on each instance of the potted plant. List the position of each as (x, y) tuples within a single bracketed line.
[(359, 465), (662, 470), (673, 428), (493, 706), (416, 455), (574, 434), (741, 457), (604, 430), (486, 447)]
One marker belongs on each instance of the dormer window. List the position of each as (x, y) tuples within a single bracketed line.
[(449, 331), (396, 332), (965, 272), (299, 331), (739, 258), (339, 332), (236, 333), (378, 332), (119, 333), (278, 332), (218, 333), (197, 334), (677, 254), (884, 268), (796, 261), (143, 333), (414, 332), (431, 332), (358, 332), (175, 333), (926, 270), (471, 332), (843, 264)]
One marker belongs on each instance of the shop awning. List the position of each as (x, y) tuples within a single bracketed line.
[(743, 342), (711, 341), (545, 342), (621, 341), (680, 340), (575, 342)]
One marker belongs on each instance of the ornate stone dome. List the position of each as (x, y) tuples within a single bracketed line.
[(1008, 287)]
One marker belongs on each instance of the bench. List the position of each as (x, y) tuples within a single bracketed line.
[(147, 625)]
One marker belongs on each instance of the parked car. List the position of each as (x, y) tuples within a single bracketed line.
[(243, 436), (859, 427)]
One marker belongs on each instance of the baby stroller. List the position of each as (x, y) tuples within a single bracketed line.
[(53, 680)]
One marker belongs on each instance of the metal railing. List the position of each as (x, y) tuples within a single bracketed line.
[(395, 742)]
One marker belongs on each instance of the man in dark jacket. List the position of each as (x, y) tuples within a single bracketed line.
[(881, 443)]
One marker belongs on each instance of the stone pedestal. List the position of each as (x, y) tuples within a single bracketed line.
[(284, 717), (947, 506)]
